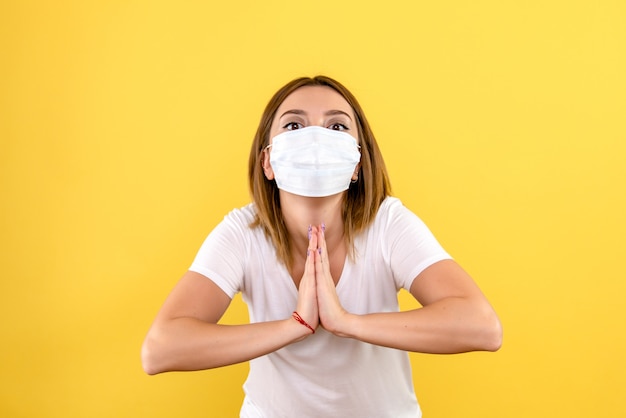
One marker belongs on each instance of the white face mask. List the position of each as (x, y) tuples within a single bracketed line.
[(314, 161)]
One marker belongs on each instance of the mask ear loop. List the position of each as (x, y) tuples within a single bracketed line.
[(357, 172), (262, 158)]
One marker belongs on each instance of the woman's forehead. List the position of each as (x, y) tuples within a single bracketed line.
[(312, 98)]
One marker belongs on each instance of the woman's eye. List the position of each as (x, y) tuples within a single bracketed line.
[(338, 127), (292, 126)]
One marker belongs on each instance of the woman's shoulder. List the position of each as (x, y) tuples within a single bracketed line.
[(239, 220), (390, 206), (392, 213), (244, 214), (389, 203)]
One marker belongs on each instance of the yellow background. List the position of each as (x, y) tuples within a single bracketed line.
[(125, 128)]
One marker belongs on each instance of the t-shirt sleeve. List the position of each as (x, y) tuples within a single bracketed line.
[(412, 246), (221, 256)]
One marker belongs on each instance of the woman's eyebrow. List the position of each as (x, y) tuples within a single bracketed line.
[(329, 113), (338, 112), (294, 112)]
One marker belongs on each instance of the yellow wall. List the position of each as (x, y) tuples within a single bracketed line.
[(125, 127)]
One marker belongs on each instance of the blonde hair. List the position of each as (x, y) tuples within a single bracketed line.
[(363, 198)]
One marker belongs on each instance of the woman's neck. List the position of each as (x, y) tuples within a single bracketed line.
[(299, 212)]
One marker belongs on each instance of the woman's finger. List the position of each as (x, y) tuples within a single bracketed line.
[(307, 294), (309, 266), (322, 250)]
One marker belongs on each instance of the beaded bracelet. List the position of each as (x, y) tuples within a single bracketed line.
[(298, 318)]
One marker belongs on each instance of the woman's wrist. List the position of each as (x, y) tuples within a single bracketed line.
[(297, 330), (345, 325), (301, 321)]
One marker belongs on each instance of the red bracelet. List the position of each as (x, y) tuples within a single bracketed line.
[(298, 318)]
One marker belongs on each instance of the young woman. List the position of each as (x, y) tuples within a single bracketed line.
[(319, 257)]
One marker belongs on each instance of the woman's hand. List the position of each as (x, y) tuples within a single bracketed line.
[(331, 313), (318, 302), (307, 293)]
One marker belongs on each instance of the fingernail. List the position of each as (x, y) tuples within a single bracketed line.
[(319, 250), (323, 227), (308, 253), (310, 229)]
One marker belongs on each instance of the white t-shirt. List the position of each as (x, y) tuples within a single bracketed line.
[(325, 375)]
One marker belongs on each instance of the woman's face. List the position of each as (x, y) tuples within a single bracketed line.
[(315, 106), (312, 106)]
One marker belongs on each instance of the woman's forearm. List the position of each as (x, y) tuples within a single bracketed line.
[(185, 344), (451, 325)]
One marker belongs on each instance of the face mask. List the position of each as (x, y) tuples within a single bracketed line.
[(314, 161)]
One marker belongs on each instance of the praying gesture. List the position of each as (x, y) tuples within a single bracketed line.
[(318, 302)]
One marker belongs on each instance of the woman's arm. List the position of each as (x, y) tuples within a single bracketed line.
[(455, 317), (185, 334)]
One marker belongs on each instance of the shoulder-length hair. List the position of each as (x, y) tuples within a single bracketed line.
[(363, 198)]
